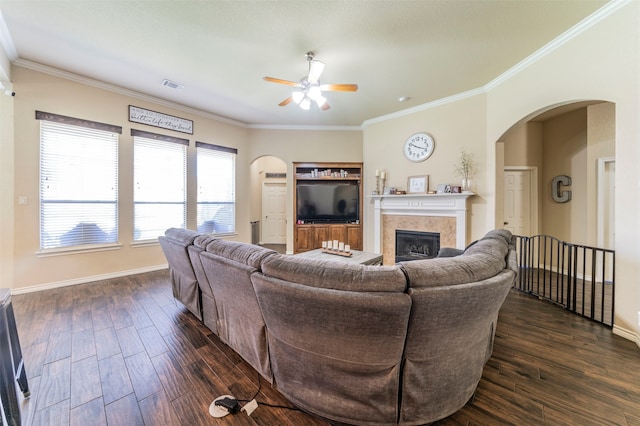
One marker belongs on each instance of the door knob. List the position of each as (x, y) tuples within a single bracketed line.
[(506, 223)]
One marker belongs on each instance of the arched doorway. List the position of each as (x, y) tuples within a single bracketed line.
[(268, 202), (570, 140), (556, 175)]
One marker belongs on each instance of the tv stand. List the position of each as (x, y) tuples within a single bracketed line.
[(309, 235)]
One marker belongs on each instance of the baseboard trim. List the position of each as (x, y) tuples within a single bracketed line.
[(84, 280), (627, 334)]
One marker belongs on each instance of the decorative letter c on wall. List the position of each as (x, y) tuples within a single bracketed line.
[(560, 196)]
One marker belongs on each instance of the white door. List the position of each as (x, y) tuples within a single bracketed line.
[(274, 201), (518, 206)]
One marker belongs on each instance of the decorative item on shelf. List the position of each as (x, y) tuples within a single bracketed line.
[(418, 184), (464, 169), (443, 188), (381, 178)]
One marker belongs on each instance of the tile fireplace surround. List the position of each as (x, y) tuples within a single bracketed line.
[(442, 213)]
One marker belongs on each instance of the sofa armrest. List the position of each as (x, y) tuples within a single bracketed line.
[(449, 252)]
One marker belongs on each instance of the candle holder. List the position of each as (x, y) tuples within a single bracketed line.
[(380, 181)]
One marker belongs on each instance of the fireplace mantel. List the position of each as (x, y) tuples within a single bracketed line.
[(447, 205)]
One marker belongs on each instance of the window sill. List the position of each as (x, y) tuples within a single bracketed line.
[(227, 235), (145, 243), (64, 251)]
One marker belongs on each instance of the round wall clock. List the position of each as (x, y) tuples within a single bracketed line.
[(419, 147)]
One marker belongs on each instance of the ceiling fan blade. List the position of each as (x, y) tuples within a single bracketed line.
[(286, 101), (280, 81), (326, 106), (315, 69), (339, 87)]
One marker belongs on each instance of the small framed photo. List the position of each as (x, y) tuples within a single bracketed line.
[(418, 184)]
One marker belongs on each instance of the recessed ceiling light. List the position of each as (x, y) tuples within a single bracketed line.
[(404, 98), (172, 84)]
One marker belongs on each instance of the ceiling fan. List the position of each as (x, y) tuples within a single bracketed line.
[(309, 88)]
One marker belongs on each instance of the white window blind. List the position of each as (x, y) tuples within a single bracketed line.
[(216, 176), (159, 176), (78, 184)]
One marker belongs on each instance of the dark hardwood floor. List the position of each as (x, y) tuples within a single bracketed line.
[(123, 352)]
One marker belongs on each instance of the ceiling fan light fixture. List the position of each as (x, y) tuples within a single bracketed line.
[(315, 92), (297, 96), (315, 69), (309, 89)]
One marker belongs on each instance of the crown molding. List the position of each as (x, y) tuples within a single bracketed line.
[(439, 102), (559, 41), (597, 16), (303, 127), (122, 91)]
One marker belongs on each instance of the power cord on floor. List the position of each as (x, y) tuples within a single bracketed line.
[(227, 404), (265, 403)]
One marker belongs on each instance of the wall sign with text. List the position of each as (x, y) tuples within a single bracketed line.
[(158, 119)]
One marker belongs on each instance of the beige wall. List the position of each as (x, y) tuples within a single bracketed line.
[(39, 91), (453, 125), (564, 150), (601, 143), (6, 192), (523, 145)]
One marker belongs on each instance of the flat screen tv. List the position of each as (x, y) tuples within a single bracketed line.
[(332, 202)]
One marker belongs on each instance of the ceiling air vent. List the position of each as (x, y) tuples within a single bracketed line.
[(172, 84)]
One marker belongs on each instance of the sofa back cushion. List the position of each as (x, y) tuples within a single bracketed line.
[(449, 339), (484, 259), (184, 283), (240, 324), (335, 353), (209, 310), (199, 245), (247, 254), (335, 275)]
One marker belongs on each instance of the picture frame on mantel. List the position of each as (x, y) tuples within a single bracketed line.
[(418, 184)]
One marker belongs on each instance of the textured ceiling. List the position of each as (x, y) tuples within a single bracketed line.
[(220, 50)]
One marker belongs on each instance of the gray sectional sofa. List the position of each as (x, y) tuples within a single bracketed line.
[(355, 344)]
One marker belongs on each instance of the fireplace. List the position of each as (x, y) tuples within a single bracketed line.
[(416, 245), (443, 213)]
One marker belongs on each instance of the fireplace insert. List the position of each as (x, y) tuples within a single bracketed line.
[(416, 245)]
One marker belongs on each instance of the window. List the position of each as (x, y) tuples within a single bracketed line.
[(216, 167), (78, 182), (159, 176)]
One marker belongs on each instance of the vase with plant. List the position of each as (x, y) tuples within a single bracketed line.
[(464, 168)]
